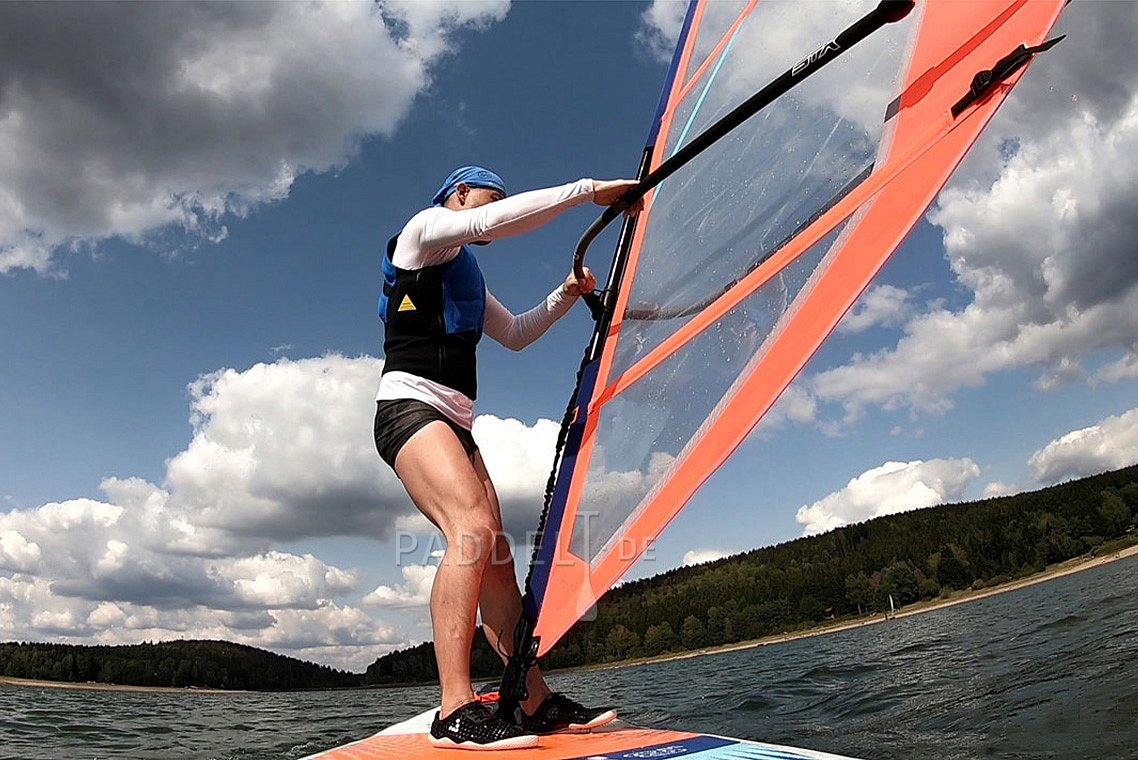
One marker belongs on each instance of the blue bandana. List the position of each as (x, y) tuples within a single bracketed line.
[(472, 176)]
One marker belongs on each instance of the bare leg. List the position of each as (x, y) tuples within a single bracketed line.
[(500, 601), (443, 483)]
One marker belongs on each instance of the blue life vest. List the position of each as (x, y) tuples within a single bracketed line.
[(433, 319)]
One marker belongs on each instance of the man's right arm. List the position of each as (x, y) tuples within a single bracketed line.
[(442, 228)]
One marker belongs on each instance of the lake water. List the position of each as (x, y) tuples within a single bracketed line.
[(1048, 671)]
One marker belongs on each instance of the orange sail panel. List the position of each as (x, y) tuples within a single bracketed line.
[(747, 257)]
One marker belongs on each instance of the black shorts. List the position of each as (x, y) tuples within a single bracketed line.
[(396, 421)]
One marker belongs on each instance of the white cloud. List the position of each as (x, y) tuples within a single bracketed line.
[(414, 592), (893, 487), (1107, 445), (1039, 225), (880, 306), (105, 553), (106, 615), (194, 112), (29, 609), (17, 553), (283, 451), (64, 535), (278, 580), (430, 23), (276, 601), (996, 488), (518, 459), (336, 634), (795, 405), (660, 26), (280, 452), (330, 625), (1125, 368), (700, 556), (607, 493)]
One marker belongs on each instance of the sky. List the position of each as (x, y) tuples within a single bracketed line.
[(193, 202)]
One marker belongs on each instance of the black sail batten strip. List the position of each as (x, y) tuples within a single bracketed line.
[(886, 12)]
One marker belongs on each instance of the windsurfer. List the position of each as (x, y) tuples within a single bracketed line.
[(435, 307)]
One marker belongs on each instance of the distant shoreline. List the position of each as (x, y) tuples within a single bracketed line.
[(1055, 571), (99, 686)]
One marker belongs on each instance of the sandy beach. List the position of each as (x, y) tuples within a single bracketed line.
[(94, 686)]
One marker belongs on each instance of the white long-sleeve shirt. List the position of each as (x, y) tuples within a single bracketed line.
[(436, 235)]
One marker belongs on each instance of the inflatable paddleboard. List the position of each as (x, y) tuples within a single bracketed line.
[(616, 741)]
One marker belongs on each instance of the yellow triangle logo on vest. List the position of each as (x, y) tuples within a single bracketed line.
[(406, 304)]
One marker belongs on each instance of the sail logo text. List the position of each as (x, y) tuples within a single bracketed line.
[(830, 47)]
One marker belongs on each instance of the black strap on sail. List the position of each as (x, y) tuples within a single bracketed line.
[(985, 81)]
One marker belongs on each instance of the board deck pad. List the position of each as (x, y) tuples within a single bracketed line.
[(617, 741)]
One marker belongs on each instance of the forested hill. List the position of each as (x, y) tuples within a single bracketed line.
[(845, 573), (208, 664)]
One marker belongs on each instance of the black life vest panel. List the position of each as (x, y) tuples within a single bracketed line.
[(433, 319)]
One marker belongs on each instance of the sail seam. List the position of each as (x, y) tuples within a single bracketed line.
[(727, 39), (703, 94)]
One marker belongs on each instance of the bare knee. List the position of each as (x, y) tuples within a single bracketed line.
[(473, 534), (502, 555), (472, 545)]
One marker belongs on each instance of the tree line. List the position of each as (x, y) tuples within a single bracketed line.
[(846, 573), (206, 664)]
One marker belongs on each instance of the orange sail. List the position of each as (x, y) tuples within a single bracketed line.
[(749, 255)]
